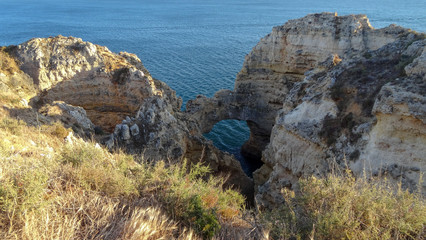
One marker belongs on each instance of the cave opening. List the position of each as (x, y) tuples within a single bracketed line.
[(230, 136)]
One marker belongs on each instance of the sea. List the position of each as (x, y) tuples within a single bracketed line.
[(195, 46)]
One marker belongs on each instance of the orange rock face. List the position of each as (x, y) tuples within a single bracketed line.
[(108, 86)]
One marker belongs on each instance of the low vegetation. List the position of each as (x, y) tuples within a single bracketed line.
[(15, 86), (342, 207), (8, 65), (51, 188)]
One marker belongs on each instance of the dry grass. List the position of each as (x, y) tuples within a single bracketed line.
[(15, 85), (8, 65), (50, 189), (342, 207), (112, 61), (77, 214), (53, 189)]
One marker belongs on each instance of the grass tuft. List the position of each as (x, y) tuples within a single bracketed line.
[(342, 207)]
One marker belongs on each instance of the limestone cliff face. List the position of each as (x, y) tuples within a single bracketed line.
[(107, 85), (365, 110), (279, 61), (326, 90)]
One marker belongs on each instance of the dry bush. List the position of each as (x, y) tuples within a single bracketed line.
[(342, 207), (50, 189), (77, 214), (190, 196)]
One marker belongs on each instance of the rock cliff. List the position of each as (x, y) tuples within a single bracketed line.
[(328, 90), (279, 61), (108, 86)]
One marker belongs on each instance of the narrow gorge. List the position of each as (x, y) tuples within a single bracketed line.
[(317, 93)]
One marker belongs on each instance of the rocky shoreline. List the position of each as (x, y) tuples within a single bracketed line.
[(319, 92)]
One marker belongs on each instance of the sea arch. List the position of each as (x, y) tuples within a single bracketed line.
[(227, 105)]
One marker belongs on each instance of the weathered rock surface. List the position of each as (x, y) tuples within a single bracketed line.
[(325, 89), (107, 85), (279, 61), (13, 81), (364, 110), (71, 116), (158, 132)]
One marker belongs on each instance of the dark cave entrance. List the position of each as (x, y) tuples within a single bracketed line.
[(230, 136)]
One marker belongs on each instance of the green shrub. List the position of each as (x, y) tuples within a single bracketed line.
[(204, 219), (23, 191), (191, 196)]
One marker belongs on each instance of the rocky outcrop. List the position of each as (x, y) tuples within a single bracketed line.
[(365, 112), (14, 83), (90, 89), (326, 90), (70, 116), (157, 132), (107, 85), (279, 61)]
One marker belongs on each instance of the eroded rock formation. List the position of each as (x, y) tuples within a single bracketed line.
[(157, 132), (279, 61), (108, 86), (325, 90)]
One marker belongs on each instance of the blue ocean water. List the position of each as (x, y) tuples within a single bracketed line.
[(195, 46)]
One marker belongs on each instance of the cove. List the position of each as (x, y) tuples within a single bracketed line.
[(230, 136)]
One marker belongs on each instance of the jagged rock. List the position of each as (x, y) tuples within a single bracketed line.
[(71, 116), (109, 142), (318, 92), (160, 132), (107, 85), (363, 110), (278, 62), (134, 129), (125, 132), (324, 90)]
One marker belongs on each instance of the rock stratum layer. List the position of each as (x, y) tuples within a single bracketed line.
[(324, 91)]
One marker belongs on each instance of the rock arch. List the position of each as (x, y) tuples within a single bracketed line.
[(226, 105)]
